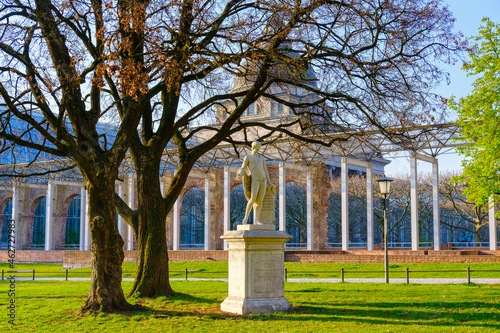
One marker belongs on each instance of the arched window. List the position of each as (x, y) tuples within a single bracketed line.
[(251, 109), (7, 216), (39, 225), (72, 239), (296, 215), (193, 219)]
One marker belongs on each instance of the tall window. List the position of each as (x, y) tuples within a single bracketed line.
[(258, 109), (276, 109), (296, 215), (192, 231), (280, 108), (72, 239), (7, 215), (251, 109), (39, 224)]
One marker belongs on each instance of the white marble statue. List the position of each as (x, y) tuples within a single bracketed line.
[(256, 182)]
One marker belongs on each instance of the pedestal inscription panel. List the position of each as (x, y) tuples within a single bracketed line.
[(266, 277)]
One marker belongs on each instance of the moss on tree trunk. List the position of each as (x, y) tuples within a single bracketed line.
[(107, 255), (152, 279)]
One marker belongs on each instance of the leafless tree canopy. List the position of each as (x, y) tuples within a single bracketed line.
[(374, 63), (158, 70)]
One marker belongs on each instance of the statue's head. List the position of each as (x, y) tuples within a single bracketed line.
[(256, 145)]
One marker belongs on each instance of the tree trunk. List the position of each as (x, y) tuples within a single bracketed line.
[(477, 234), (152, 279), (106, 293)]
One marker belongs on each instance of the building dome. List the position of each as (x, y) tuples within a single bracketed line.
[(293, 70)]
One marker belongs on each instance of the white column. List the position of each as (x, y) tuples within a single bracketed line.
[(282, 197), (414, 203), (87, 224), (163, 186), (83, 213), (177, 225), (435, 206), (163, 189), (344, 204), (15, 217), (129, 243), (48, 216), (207, 213), (369, 208), (121, 223), (310, 229), (493, 225), (227, 203)]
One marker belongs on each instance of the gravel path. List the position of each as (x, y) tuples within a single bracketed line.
[(373, 280), (417, 281)]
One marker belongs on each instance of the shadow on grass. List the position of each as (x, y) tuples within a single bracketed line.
[(192, 299), (430, 314), (467, 315), (181, 305)]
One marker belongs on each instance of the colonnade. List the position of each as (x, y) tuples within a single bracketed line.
[(127, 190), (23, 198)]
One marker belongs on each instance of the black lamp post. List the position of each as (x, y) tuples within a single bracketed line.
[(385, 189)]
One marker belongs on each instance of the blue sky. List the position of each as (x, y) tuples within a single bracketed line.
[(468, 15)]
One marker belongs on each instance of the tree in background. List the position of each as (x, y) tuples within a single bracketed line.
[(458, 212), (357, 210), (398, 213), (479, 116), (296, 214), (238, 205)]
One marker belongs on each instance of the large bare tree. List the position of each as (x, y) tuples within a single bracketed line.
[(56, 85), (370, 65)]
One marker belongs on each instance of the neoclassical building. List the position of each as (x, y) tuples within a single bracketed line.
[(50, 214)]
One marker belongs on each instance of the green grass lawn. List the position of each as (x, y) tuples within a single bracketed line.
[(295, 270), (50, 306)]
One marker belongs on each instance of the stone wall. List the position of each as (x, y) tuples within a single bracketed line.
[(77, 259), (396, 257), (34, 256), (74, 259)]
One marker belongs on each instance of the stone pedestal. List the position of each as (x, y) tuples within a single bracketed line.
[(256, 270)]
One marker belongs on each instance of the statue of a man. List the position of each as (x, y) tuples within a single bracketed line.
[(256, 183)]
